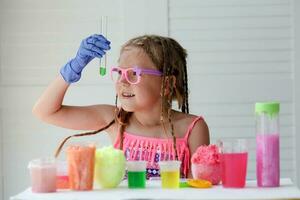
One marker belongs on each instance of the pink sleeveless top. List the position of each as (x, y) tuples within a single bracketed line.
[(153, 150)]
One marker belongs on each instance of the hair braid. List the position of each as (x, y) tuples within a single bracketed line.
[(122, 118), (168, 80), (124, 122), (170, 119), (185, 106), (58, 150)]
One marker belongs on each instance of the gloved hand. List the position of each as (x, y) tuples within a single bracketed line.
[(91, 47)]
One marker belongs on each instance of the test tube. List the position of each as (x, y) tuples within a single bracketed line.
[(103, 31)]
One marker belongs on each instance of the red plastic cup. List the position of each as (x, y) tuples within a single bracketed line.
[(234, 156)]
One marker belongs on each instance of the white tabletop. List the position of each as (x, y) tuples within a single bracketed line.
[(154, 191)]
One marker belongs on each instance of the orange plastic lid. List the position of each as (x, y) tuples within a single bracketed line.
[(199, 183)]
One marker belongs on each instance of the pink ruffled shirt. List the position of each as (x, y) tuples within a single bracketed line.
[(153, 150)]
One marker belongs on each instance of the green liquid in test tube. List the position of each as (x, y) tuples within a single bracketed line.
[(102, 69)]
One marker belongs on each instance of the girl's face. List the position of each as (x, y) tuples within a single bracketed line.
[(146, 94)]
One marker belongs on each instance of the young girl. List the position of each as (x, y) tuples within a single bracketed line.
[(151, 74)]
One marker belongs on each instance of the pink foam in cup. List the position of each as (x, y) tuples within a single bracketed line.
[(206, 164), (210, 173)]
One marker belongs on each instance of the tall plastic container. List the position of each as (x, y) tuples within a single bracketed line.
[(267, 144)]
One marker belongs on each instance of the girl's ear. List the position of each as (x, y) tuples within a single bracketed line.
[(179, 98), (168, 81)]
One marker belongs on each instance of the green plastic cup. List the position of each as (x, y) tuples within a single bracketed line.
[(136, 174)]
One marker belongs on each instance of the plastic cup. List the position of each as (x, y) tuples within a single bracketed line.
[(43, 175), (136, 174), (62, 177), (209, 172), (234, 157), (81, 161), (170, 173), (109, 167)]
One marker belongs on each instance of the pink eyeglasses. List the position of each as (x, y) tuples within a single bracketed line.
[(132, 75)]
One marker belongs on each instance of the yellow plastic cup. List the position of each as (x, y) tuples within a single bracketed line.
[(170, 174)]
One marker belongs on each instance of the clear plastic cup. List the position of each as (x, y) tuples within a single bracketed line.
[(62, 177), (209, 172), (81, 161), (109, 167), (234, 156), (136, 174), (43, 175), (170, 173)]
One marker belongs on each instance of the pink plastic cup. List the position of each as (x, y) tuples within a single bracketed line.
[(62, 177), (43, 175)]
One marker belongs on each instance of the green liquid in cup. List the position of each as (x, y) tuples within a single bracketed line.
[(137, 179)]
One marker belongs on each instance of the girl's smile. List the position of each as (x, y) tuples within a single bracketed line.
[(127, 95)]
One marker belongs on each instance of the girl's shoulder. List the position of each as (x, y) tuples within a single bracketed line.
[(184, 117), (183, 121)]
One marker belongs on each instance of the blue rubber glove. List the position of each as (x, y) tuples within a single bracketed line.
[(91, 47)]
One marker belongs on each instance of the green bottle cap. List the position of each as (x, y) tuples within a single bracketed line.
[(102, 71), (271, 108)]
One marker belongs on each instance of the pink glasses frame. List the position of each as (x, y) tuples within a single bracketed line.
[(139, 71)]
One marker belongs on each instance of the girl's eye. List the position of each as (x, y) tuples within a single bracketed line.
[(132, 72), (119, 72)]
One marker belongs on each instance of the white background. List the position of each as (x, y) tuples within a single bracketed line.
[(240, 52)]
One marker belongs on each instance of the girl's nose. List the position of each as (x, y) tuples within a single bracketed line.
[(123, 79)]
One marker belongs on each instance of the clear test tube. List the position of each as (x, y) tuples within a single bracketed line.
[(103, 27)]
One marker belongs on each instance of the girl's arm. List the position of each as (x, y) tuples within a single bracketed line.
[(199, 136), (49, 108)]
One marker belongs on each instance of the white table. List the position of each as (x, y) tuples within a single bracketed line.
[(154, 191)]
